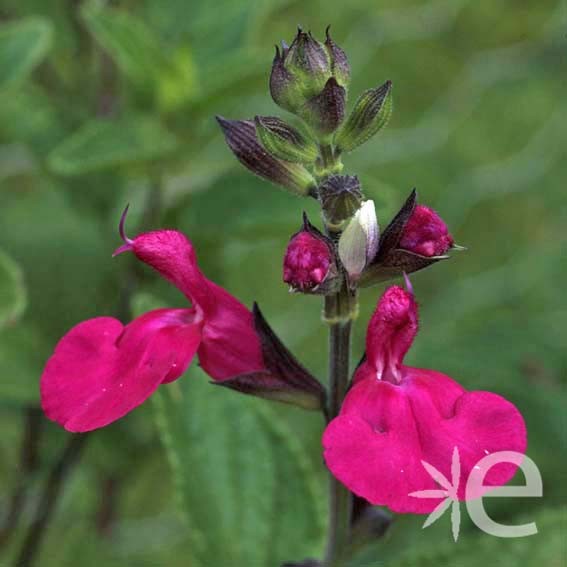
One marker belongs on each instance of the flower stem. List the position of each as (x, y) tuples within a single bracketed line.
[(326, 153), (338, 313)]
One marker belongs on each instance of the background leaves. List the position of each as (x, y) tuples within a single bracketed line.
[(105, 103), (13, 297), (23, 44), (256, 492), (102, 144)]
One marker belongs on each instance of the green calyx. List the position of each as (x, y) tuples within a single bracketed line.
[(370, 114), (284, 141)]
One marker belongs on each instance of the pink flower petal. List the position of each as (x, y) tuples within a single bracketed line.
[(101, 370), (390, 333), (230, 345), (482, 423), (172, 254), (379, 459), (376, 445)]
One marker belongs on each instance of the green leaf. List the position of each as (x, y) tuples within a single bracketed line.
[(13, 296), (101, 144), (128, 40), (163, 73), (243, 478), (23, 45), (543, 548), (23, 353), (28, 115)]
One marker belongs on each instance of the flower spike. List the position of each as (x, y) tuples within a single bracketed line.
[(128, 242)]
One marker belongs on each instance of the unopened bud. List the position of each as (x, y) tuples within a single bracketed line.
[(415, 239), (370, 114), (285, 142), (325, 111), (309, 78), (241, 138), (340, 197), (309, 263), (339, 62), (284, 87), (309, 60), (426, 233), (359, 241)]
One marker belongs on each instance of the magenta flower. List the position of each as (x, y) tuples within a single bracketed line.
[(309, 262), (426, 233), (395, 416), (101, 369)]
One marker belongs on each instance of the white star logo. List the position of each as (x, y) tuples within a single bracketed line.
[(448, 492)]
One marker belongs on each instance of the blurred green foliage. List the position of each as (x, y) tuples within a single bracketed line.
[(104, 103)]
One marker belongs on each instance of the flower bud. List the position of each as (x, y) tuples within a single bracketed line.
[(415, 239), (339, 62), (340, 197), (370, 114), (309, 79), (309, 61), (309, 263), (325, 112), (359, 241), (426, 233), (285, 142), (241, 138), (284, 87)]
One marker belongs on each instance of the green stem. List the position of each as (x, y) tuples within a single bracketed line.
[(338, 313), (326, 153)]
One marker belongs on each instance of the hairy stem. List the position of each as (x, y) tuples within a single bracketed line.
[(338, 310)]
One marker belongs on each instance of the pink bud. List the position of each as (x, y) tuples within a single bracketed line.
[(426, 233), (308, 259)]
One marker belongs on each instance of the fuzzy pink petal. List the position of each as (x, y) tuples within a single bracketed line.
[(101, 370), (171, 253), (230, 345), (376, 445), (481, 423), (379, 459), (391, 331)]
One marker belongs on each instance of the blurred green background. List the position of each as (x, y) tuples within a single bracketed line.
[(108, 103)]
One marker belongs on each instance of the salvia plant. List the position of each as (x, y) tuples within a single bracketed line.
[(382, 421)]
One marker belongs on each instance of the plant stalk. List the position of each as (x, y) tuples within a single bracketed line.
[(338, 310)]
